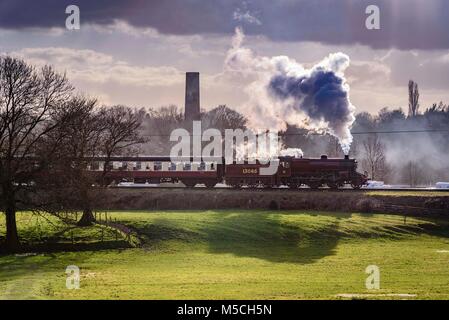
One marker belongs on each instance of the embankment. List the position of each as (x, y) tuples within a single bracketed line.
[(343, 201)]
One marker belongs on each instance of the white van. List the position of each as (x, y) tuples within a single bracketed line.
[(442, 185)]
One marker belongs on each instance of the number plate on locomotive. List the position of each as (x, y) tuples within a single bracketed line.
[(250, 171)]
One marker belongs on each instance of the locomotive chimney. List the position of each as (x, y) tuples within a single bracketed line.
[(347, 157)]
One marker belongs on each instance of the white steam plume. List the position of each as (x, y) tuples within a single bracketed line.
[(284, 92), (292, 152)]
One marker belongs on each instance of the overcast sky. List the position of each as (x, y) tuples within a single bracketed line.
[(136, 52)]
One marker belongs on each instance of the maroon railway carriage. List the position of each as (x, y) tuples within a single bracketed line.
[(155, 170)]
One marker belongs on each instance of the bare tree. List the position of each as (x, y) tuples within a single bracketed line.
[(413, 174), (374, 160), (80, 141), (223, 118), (91, 132), (158, 124), (413, 99), (120, 132), (28, 100), (117, 132)]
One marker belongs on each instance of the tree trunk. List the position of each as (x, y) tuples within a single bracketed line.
[(12, 237), (87, 218)]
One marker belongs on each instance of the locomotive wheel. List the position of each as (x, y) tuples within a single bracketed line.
[(293, 186), (334, 185), (314, 185), (262, 184), (356, 185), (189, 184), (210, 185)]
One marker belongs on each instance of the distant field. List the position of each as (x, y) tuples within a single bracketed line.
[(417, 193), (236, 255)]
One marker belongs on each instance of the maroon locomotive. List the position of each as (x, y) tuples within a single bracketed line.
[(289, 171)]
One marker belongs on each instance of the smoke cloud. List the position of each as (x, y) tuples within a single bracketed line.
[(292, 152), (282, 91)]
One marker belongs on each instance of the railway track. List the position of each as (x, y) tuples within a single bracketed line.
[(199, 189)]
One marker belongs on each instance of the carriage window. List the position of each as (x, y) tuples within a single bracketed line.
[(158, 166), (124, 166), (187, 166), (212, 166), (138, 166), (172, 167), (202, 166)]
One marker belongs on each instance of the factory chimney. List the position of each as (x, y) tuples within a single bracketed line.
[(192, 106)]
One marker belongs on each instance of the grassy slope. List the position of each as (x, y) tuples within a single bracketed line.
[(241, 255)]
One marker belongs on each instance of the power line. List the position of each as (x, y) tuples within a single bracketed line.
[(316, 133), (403, 131)]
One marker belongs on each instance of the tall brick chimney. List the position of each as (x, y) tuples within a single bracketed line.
[(192, 106)]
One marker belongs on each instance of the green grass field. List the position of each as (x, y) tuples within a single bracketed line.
[(234, 255)]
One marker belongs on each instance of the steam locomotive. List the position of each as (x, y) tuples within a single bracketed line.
[(291, 171)]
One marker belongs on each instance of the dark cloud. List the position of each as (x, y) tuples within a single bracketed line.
[(405, 24)]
